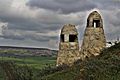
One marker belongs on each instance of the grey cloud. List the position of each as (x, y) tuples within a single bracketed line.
[(42, 22), (107, 4), (23, 35), (25, 43), (71, 6), (54, 14), (66, 6), (111, 24), (9, 34), (53, 43), (5, 5), (67, 1)]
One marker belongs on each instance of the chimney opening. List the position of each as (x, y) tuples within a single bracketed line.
[(72, 38), (96, 23), (62, 37)]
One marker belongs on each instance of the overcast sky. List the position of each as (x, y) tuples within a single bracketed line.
[(37, 23)]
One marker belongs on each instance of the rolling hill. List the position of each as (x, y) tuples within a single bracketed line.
[(103, 67), (25, 51)]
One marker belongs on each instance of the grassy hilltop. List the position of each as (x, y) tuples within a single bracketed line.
[(103, 67)]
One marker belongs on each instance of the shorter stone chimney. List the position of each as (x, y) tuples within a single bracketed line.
[(68, 47)]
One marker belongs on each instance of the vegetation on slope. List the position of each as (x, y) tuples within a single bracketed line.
[(103, 67), (28, 65), (36, 62)]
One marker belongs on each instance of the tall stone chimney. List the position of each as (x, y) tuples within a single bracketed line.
[(94, 38)]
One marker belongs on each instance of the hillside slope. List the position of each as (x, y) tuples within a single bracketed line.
[(103, 67)]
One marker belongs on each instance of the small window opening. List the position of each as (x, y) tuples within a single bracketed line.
[(72, 38), (96, 23), (87, 22), (62, 37)]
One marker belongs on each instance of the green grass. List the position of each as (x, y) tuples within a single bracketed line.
[(36, 62), (1, 74), (103, 67)]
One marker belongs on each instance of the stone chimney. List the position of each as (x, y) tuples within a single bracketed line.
[(94, 38), (68, 47)]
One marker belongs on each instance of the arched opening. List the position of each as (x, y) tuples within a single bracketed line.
[(96, 23)]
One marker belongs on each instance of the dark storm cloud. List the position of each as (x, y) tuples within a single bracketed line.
[(66, 6), (41, 20), (17, 22)]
